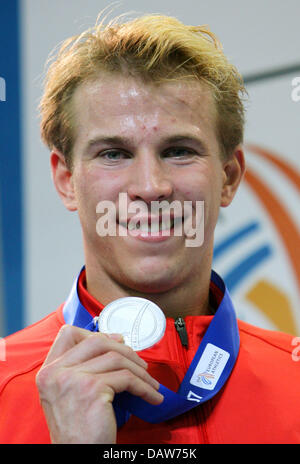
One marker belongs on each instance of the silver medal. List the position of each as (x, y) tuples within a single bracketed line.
[(141, 322)]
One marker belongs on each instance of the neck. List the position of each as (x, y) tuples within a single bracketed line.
[(188, 299)]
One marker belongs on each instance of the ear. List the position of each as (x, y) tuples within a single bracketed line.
[(233, 172), (63, 180)]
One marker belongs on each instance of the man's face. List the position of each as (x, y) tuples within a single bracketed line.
[(150, 143)]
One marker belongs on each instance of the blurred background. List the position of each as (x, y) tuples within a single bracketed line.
[(257, 248)]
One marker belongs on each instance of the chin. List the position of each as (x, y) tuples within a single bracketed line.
[(152, 282), (151, 288)]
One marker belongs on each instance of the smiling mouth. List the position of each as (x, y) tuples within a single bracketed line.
[(152, 226)]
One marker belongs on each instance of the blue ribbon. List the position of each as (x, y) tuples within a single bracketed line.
[(208, 372)]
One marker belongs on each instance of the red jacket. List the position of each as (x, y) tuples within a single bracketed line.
[(260, 402)]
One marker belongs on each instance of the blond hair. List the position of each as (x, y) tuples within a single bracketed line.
[(154, 48)]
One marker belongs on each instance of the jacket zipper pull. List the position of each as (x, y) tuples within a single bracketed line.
[(181, 329)]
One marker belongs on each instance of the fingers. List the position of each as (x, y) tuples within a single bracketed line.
[(116, 361), (78, 352), (126, 380), (67, 337), (79, 345)]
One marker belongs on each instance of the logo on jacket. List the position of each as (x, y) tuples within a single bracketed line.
[(205, 377), (210, 367)]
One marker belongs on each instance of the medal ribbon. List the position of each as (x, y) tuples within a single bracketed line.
[(208, 372)]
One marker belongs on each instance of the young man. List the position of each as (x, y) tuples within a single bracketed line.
[(150, 110)]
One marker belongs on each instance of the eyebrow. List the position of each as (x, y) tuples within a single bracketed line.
[(185, 138), (121, 141), (108, 140)]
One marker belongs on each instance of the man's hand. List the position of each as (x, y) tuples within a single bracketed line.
[(79, 379)]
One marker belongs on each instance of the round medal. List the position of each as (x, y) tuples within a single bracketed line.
[(141, 322)]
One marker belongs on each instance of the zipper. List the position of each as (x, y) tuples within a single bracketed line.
[(181, 330), (197, 416)]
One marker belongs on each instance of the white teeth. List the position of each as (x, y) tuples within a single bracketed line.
[(154, 227), (166, 225), (131, 226), (144, 227)]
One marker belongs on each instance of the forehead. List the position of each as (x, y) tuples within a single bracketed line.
[(123, 102)]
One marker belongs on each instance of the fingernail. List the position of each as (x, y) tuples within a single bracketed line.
[(156, 384)]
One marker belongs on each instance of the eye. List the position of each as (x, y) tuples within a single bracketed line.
[(113, 155), (179, 153)]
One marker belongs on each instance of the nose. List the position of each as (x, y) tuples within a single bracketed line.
[(150, 180)]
